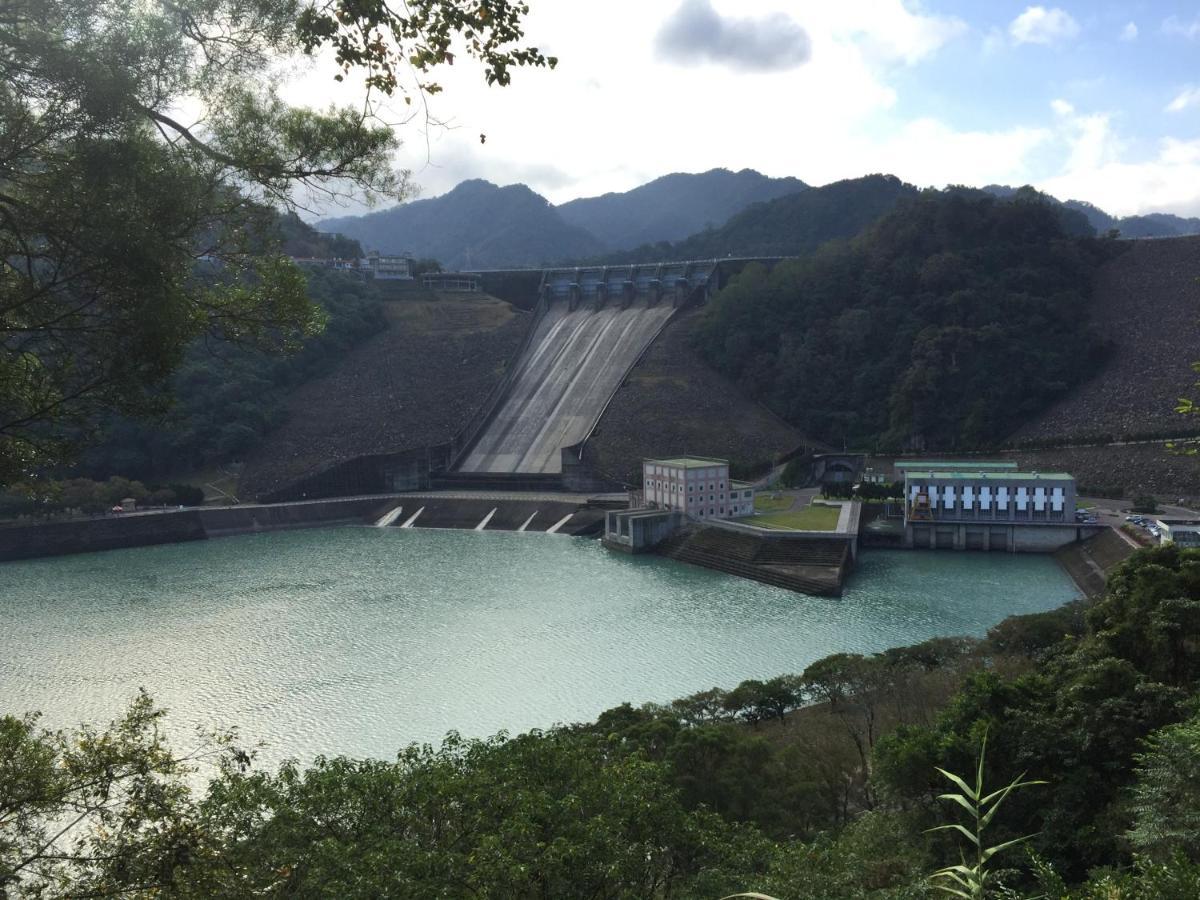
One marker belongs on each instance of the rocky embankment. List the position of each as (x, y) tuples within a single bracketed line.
[(1147, 305), (1130, 469), (415, 384), (672, 403)]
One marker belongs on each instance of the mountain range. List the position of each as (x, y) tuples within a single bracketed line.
[(479, 225)]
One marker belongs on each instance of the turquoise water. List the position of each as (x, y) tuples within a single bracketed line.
[(360, 640)]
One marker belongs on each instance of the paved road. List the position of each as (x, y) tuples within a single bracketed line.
[(1113, 512), (573, 366)]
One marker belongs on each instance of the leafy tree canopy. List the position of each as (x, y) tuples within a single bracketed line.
[(140, 146)]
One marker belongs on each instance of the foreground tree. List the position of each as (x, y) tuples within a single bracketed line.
[(110, 812), (77, 807), (130, 226)]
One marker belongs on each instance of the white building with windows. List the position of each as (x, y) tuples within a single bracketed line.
[(697, 486), (969, 509)]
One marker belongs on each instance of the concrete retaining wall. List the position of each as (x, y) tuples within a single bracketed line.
[(89, 535), (995, 536), (227, 520), (147, 529)]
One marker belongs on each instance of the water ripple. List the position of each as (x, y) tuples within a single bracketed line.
[(359, 640)]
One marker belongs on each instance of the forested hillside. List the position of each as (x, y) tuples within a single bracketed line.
[(945, 325), (476, 225), (674, 206), (1150, 225), (226, 397), (791, 225)]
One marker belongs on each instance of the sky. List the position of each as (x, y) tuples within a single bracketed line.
[(1094, 101)]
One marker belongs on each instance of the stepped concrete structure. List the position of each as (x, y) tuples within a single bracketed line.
[(592, 325), (574, 363), (806, 565)]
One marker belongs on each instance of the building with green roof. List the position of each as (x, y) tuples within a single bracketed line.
[(980, 508)]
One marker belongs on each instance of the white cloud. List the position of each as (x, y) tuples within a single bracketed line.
[(1169, 181), (1038, 25), (1098, 168), (892, 32), (1129, 32), (1176, 27), (1185, 99), (928, 152), (1061, 107)]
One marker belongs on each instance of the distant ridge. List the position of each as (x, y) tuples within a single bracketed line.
[(476, 225), (790, 225), (1151, 225), (718, 213), (674, 206)]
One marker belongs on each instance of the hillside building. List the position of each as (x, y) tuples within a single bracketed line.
[(697, 486), (969, 508), (389, 268)]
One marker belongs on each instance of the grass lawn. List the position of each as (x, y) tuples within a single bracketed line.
[(766, 503), (810, 518)]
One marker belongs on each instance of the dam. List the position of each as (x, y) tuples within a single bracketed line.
[(591, 327), (588, 328), (576, 360)]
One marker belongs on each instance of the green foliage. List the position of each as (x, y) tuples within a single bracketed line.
[(970, 878), (698, 798), (546, 814), (945, 324), (1080, 715), (45, 498), (298, 238), (1145, 503), (878, 856), (1165, 798), (126, 234), (96, 811), (226, 397)]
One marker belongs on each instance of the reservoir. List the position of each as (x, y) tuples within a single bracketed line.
[(361, 640)]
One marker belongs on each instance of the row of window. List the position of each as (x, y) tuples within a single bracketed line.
[(673, 487)]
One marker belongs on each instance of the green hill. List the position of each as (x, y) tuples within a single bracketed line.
[(475, 226), (673, 207), (791, 225), (944, 325)]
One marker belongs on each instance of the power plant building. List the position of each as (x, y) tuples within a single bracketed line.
[(965, 508)]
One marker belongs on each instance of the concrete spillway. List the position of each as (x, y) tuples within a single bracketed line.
[(571, 368)]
